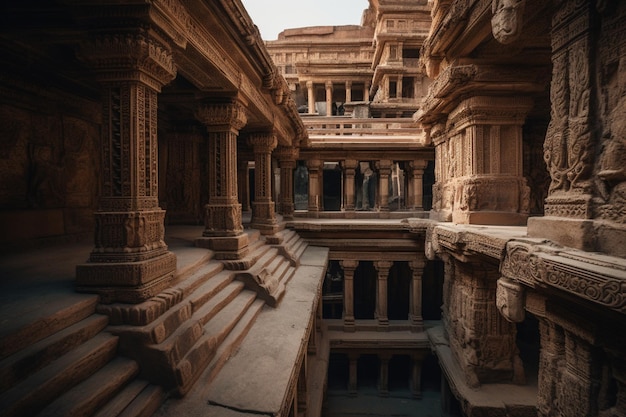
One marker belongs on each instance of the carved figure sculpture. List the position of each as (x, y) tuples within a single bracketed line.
[(507, 19)]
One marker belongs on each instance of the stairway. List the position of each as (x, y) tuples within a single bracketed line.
[(63, 363)]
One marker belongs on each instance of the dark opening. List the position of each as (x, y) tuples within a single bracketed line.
[(332, 189), (432, 290), (332, 292), (398, 291), (368, 368), (338, 371), (365, 291), (400, 368)]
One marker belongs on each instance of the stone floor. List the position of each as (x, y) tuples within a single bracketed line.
[(368, 403)]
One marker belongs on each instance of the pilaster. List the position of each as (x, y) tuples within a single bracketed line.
[(287, 157), (382, 267), (415, 300), (130, 261), (315, 167), (223, 231), (349, 266), (349, 172), (263, 208), (384, 172)]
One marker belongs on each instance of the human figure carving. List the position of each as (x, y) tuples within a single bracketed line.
[(507, 19)]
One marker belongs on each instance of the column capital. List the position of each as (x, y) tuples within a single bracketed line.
[(417, 265), (384, 166), (128, 56), (349, 163), (349, 264), (286, 153), (418, 164), (229, 115), (309, 84), (383, 266), (263, 142), (329, 84)]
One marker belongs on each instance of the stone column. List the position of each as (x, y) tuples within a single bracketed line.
[(349, 266), (416, 376), (399, 87), (263, 210), (243, 184), (352, 374), (415, 300), (381, 294), (311, 96), (315, 167), (348, 91), (551, 359), (349, 169), (329, 98), (287, 157), (383, 375), (130, 261), (223, 231), (416, 185), (384, 172), (366, 92)]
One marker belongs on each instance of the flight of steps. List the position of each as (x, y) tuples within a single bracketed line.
[(66, 364), (212, 314)]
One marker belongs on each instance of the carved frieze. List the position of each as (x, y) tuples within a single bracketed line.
[(230, 115), (593, 277)]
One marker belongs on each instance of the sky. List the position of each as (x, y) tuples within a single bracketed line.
[(274, 16)]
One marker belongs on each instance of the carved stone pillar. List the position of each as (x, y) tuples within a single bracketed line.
[(415, 300), (311, 96), (488, 187), (416, 376), (349, 266), (315, 167), (263, 210), (383, 375), (381, 294), (584, 147), (223, 231), (384, 172), (352, 374), (416, 185), (349, 170), (243, 182), (329, 98), (130, 261), (348, 91), (287, 157)]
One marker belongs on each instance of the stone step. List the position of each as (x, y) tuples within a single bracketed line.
[(211, 281), (30, 330), (121, 401), (215, 331), (199, 277), (86, 398), (145, 404), (35, 392), (205, 313), (38, 355), (232, 341)]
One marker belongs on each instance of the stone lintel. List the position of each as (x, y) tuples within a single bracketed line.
[(127, 282)]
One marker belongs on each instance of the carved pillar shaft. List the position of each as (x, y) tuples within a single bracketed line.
[(416, 186), (349, 169), (311, 96), (223, 223), (348, 91), (315, 170), (329, 98), (416, 376), (349, 266), (551, 357), (384, 172), (287, 159), (381, 293), (130, 261), (383, 375), (415, 300), (352, 373), (263, 213)]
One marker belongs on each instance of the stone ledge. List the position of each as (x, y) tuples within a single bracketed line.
[(512, 400)]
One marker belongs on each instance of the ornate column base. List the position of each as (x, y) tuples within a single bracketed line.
[(225, 247), (349, 325), (263, 218), (417, 323), (127, 282)]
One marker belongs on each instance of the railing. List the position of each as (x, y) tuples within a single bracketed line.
[(347, 126)]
